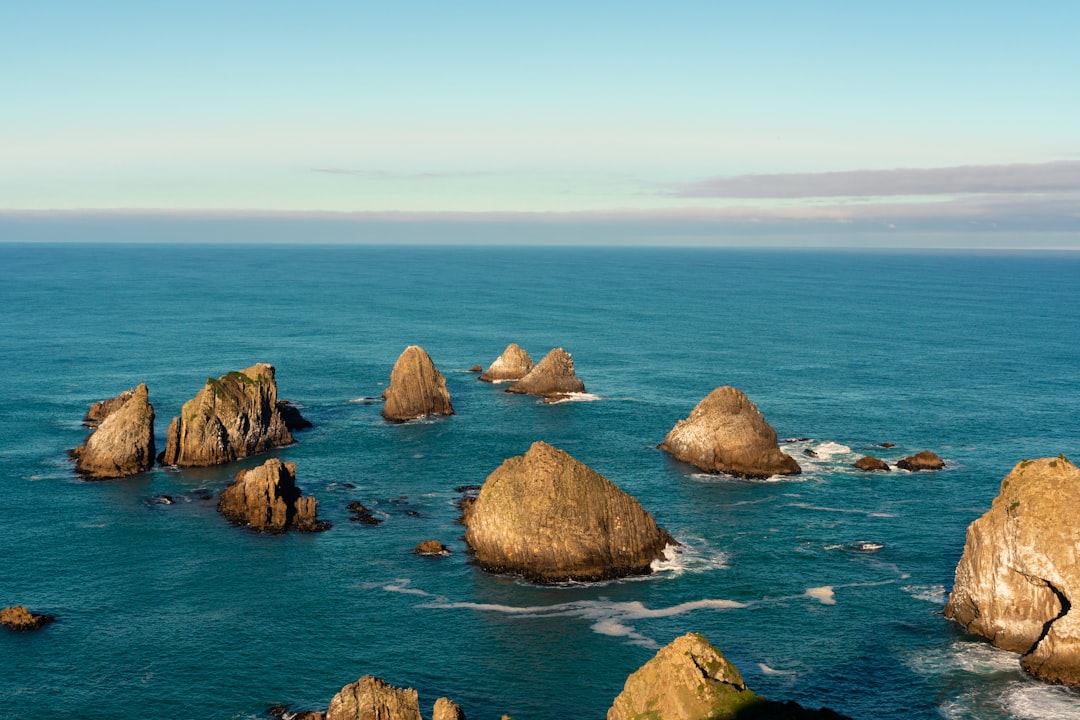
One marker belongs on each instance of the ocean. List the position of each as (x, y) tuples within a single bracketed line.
[(826, 588)]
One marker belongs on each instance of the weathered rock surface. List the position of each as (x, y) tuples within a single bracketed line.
[(266, 499), (417, 389), (925, 460), (1018, 581), (123, 442), (727, 433), (513, 364), (447, 710), (550, 518), (431, 547), (872, 464), (17, 617), (552, 376), (370, 698), (232, 417)]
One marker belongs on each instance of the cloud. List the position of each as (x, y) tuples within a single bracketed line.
[(387, 175), (1062, 176)]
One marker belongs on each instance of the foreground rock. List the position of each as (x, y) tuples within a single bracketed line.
[(232, 417), (872, 464), (17, 617), (1018, 581), (513, 364), (550, 518), (689, 679), (266, 499), (123, 442), (726, 433), (925, 460), (416, 389), (551, 377)]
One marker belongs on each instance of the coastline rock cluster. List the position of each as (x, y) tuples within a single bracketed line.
[(122, 441), (550, 518), (417, 389), (726, 433), (553, 377), (371, 698), (1018, 580), (267, 499), (17, 617)]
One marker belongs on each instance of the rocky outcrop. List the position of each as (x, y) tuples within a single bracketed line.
[(431, 547), (1018, 581), (122, 443), (232, 417), (925, 460), (726, 433), (447, 710), (550, 518), (513, 364), (370, 698), (266, 499), (17, 617), (551, 377), (872, 464), (416, 389)]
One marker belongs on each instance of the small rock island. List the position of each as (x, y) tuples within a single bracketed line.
[(552, 377), (417, 389), (267, 499), (512, 365), (122, 441)]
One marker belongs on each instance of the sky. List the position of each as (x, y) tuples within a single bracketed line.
[(928, 118)]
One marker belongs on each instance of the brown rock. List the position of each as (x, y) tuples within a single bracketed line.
[(123, 442), (431, 547), (232, 417), (102, 409), (726, 433), (266, 499), (871, 464), (447, 710), (554, 375), (476, 369), (17, 617), (416, 389), (550, 518), (1018, 581), (925, 460), (370, 698), (513, 364)]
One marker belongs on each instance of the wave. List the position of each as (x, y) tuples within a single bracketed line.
[(573, 397), (766, 670), (848, 511), (928, 593), (367, 400), (693, 556)]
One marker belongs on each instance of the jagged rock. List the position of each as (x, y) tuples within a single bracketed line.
[(552, 376), (447, 710), (431, 547), (871, 464), (294, 421), (370, 698), (361, 514), (1018, 581), (232, 417), (689, 679), (727, 433), (123, 442), (417, 388), (550, 518), (17, 617), (266, 499), (513, 364), (925, 460)]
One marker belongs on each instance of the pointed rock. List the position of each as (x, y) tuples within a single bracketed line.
[(232, 417), (267, 499), (925, 460), (513, 364), (370, 698), (550, 518), (123, 442), (552, 376), (447, 710), (872, 464), (417, 389), (1018, 580), (727, 433)]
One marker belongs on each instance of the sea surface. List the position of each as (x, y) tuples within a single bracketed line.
[(826, 588)]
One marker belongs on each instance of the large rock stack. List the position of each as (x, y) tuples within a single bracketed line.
[(267, 499), (122, 442), (417, 389)]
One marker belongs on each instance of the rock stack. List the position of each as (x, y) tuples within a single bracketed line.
[(122, 442), (417, 389), (553, 376), (513, 364), (266, 499)]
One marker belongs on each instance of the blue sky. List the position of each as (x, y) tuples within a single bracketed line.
[(931, 116)]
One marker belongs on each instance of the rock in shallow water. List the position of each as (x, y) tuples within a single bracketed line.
[(267, 499), (872, 464), (122, 443), (552, 376), (925, 460), (17, 617), (513, 364), (417, 389)]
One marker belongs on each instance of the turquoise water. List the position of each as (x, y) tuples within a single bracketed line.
[(169, 611)]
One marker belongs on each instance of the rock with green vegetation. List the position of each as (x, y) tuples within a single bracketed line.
[(727, 433), (17, 617), (417, 389), (234, 416), (267, 499), (550, 518), (122, 442), (552, 377), (371, 698), (924, 460), (1018, 580), (513, 364)]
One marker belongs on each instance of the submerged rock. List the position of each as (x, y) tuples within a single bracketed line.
[(727, 433), (872, 464), (266, 499), (552, 376), (1018, 580), (550, 518), (17, 617), (513, 364), (122, 443), (232, 417), (431, 547), (417, 389), (925, 460), (370, 698)]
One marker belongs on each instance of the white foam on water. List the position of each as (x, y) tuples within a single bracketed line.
[(725, 478), (1033, 700), (401, 585), (823, 594), (367, 400), (847, 511), (968, 656), (574, 397), (928, 593), (692, 556), (766, 670), (827, 450)]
